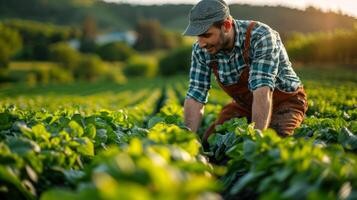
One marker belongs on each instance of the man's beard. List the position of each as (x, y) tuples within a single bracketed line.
[(223, 44)]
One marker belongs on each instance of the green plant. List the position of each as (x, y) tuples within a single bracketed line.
[(115, 51), (138, 66), (176, 61)]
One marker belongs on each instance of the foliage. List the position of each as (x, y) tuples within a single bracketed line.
[(90, 67), (45, 76), (115, 51), (65, 55), (151, 36), (138, 66), (89, 33), (334, 47), (10, 43), (37, 37), (124, 16), (271, 167), (176, 61), (109, 141)]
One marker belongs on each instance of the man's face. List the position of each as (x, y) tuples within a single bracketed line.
[(213, 40)]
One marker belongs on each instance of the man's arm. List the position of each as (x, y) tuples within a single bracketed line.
[(193, 114), (262, 107)]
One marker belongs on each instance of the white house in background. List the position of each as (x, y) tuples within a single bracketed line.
[(129, 37)]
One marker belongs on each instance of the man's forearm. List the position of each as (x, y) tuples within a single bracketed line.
[(193, 114), (262, 108)]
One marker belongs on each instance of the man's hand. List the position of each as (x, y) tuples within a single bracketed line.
[(262, 107), (193, 114)]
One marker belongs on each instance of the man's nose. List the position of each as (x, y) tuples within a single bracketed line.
[(201, 42)]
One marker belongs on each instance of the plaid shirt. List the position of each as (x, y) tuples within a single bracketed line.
[(269, 63)]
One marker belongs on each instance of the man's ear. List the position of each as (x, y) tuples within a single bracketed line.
[(227, 24)]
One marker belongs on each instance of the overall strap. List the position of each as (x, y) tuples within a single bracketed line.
[(214, 64), (247, 42)]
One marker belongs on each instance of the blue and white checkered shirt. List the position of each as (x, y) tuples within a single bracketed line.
[(269, 63)]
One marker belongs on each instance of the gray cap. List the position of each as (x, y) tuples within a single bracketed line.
[(204, 14)]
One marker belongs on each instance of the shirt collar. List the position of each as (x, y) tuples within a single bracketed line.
[(238, 33)]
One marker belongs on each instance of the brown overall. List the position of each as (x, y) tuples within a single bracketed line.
[(288, 108)]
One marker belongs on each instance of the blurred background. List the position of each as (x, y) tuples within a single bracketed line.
[(64, 41)]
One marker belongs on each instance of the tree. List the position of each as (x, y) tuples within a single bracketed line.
[(176, 61), (10, 43), (139, 66), (37, 37), (65, 55), (149, 33), (89, 33), (151, 36), (90, 67), (115, 51)]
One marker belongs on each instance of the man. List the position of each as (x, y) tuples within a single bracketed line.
[(249, 63)]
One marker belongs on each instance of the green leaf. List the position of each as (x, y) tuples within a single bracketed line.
[(40, 131), (86, 147), (73, 175), (249, 149), (347, 139), (90, 131), (59, 194), (172, 119), (5, 121), (154, 120), (6, 175), (101, 137), (281, 175), (297, 190), (22, 146), (265, 184), (76, 129), (244, 181)]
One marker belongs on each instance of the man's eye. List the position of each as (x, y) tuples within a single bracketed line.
[(205, 35)]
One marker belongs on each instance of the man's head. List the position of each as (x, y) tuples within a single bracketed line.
[(210, 21)]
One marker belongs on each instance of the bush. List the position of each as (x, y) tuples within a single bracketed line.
[(59, 75), (90, 67), (337, 47), (113, 74), (10, 43), (48, 75), (115, 51), (150, 36), (138, 66), (176, 61), (64, 55), (37, 37)]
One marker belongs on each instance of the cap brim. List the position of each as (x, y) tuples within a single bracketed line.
[(196, 29)]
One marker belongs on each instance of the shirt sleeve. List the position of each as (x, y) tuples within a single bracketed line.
[(265, 60), (200, 73)]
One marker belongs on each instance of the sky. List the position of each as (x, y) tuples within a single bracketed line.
[(348, 7)]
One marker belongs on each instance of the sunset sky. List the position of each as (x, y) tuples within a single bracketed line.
[(346, 6)]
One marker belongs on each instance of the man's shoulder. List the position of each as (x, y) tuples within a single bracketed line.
[(259, 29), (262, 29)]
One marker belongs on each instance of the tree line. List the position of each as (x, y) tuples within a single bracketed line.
[(124, 16), (337, 47), (25, 40), (29, 40)]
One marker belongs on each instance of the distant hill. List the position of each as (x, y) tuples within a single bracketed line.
[(111, 16)]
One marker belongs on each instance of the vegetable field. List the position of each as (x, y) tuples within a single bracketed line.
[(107, 141)]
